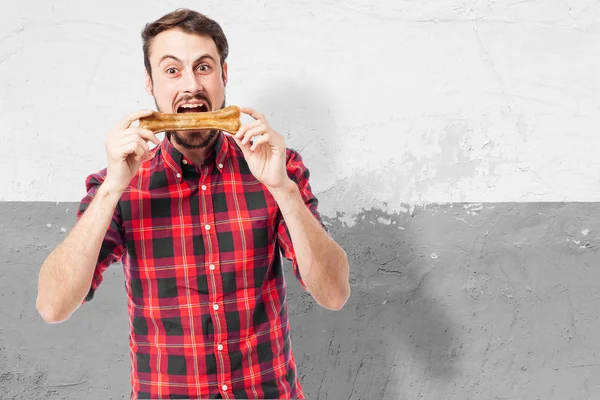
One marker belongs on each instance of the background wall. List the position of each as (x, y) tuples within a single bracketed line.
[(452, 145)]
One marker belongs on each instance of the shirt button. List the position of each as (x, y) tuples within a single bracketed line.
[(207, 227), (212, 267), (220, 166), (184, 161), (220, 347), (215, 307), (224, 387), (203, 187), (178, 175)]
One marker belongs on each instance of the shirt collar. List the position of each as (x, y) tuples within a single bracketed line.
[(174, 159)]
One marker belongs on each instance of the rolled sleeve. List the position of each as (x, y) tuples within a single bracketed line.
[(113, 245), (299, 173)]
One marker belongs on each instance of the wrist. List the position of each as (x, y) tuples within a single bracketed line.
[(109, 192), (286, 196), (284, 189)]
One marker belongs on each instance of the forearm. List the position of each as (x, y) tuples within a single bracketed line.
[(322, 263), (66, 274)]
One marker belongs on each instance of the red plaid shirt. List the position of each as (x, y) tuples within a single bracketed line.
[(200, 248)]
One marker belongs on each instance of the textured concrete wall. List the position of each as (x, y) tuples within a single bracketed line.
[(450, 302), (441, 102), (453, 147)]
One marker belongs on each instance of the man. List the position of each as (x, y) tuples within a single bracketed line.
[(198, 222)]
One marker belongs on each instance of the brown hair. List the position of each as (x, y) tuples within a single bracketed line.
[(188, 21)]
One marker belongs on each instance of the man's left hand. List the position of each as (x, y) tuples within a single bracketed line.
[(266, 154)]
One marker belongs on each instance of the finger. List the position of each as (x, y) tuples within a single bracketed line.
[(146, 149), (138, 156), (244, 128), (128, 144), (260, 140), (128, 149), (146, 134), (128, 120), (125, 140), (259, 130), (253, 113), (139, 152)]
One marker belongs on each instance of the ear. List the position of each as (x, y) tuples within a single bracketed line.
[(148, 83), (225, 73)]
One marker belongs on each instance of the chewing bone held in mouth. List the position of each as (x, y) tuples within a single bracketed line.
[(226, 119)]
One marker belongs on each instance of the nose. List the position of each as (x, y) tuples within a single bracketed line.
[(191, 82)]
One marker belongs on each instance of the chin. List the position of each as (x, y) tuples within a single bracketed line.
[(194, 139)]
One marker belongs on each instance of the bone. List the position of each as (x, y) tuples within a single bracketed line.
[(226, 119)]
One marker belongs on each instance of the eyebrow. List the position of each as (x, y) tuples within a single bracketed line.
[(166, 56)]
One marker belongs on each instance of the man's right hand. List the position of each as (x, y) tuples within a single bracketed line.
[(126, 149)]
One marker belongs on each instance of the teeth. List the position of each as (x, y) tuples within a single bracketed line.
[(192, 105)]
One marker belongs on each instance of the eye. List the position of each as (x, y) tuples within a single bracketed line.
[(203, 68), (171, 71)]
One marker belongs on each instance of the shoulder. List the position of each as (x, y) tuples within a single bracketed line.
[(294, 159), (146, 168), (95, 179), (292, 155)]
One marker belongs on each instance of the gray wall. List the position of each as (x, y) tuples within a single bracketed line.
[(498, 301)]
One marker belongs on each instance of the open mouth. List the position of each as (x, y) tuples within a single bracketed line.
[(188, 107)]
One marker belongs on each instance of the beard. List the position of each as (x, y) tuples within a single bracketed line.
[(193, 140)]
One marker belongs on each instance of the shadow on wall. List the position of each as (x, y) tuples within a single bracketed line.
[(394, 328), (393, 323), (304, 115)]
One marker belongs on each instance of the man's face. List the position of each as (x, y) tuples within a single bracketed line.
[(186, 77)]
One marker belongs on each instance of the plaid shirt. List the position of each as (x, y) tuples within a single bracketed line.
[(200, 248)]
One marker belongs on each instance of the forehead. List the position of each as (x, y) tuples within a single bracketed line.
[(185, 46)]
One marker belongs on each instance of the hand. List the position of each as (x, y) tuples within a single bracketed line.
[(266, 154), (126, 148)]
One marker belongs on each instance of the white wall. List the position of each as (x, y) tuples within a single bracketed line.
[(391, 105)]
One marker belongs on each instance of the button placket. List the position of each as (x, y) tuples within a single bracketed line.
[(212, 255), (212, 263), (208, 226)]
